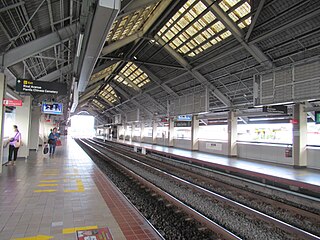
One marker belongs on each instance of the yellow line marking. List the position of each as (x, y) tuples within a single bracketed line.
[(39, 237), (49, 181), (48, 190), (80, 187), (48, 185), (73, 230)]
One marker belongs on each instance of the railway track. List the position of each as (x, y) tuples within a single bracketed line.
[(200, 197)]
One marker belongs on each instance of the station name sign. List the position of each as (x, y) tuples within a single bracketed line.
[(275, 109), (23, 85)]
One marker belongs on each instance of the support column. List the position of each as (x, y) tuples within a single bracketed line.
[(194, 133), (154, 132), (299, 149), (23, 121), (170, 132), (118, 132), (2, 111), (133, 126), (142, 132), (232, 134), (35, 126)]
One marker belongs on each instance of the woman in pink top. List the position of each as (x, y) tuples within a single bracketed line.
[(14, 141)]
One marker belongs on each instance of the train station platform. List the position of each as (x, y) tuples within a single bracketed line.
[(52, 198), (301, 180)]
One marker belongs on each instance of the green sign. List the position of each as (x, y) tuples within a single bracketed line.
[(317, 117)]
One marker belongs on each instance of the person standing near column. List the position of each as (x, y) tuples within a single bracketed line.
[(53, 137), (14, 145)]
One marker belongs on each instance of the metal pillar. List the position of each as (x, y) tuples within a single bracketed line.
[(170, 132), (2, 111), (299, 128), (154, 132), (194, 133), (232, 134), (141, 131), (132, 132)]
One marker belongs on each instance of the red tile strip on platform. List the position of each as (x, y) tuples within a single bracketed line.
[(131, 223)]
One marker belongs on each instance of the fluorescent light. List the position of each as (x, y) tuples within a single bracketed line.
[(79, 44)]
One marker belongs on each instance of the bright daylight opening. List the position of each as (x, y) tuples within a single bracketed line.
[(82, 126)]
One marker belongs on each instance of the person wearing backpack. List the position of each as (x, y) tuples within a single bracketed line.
[(52, 140), (14, 145)]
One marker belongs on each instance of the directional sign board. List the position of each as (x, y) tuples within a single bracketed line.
[(12, 102), (24, 85)]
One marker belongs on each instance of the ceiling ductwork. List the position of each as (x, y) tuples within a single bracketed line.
[(104, 15)]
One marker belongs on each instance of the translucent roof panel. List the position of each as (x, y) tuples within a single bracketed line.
[(97, 104), (238, 11), (194, 28), (132, 76), (108, 94), (130, 24), (103, 73)]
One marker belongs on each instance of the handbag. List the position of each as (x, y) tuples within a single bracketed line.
[(45, 149), (58, 142), (17, 144)]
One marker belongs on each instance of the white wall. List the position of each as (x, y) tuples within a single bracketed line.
[(313, 156), (264, 152), (23, 121), (182, 143), (216, 147)]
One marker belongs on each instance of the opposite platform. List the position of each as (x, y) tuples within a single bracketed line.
[(54, 197), (301, 178)]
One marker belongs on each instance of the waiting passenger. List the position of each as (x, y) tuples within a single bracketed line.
[(53, 137), (14, 144)]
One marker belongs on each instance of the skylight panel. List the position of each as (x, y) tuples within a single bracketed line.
[(194, 27), (103, 73), (108, 94), (97, 104), (132, 76), (130, 24)]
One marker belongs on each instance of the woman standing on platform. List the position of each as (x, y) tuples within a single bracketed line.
[(14, 145), (53, 137)]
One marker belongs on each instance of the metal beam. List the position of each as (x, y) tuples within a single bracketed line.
[(155, 79), (133, 6), (147, 25), (4, 9), (127, 96), (295, 22), (27, 50), (121, 43), (239, 35), (254, 20), (197, 75), (143, 62), (56, 74)]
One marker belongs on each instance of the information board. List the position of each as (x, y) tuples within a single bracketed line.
[(24, 85), (317, 117), (12, 102)]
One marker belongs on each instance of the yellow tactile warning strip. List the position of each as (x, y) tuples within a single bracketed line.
[(52, 198)]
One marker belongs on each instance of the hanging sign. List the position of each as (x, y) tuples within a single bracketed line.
[(184, 117), (182, 124), (275, 109), (12, 103), (24, 85), (317, 117)]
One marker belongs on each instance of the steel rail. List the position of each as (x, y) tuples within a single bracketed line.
[(264, 217)]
